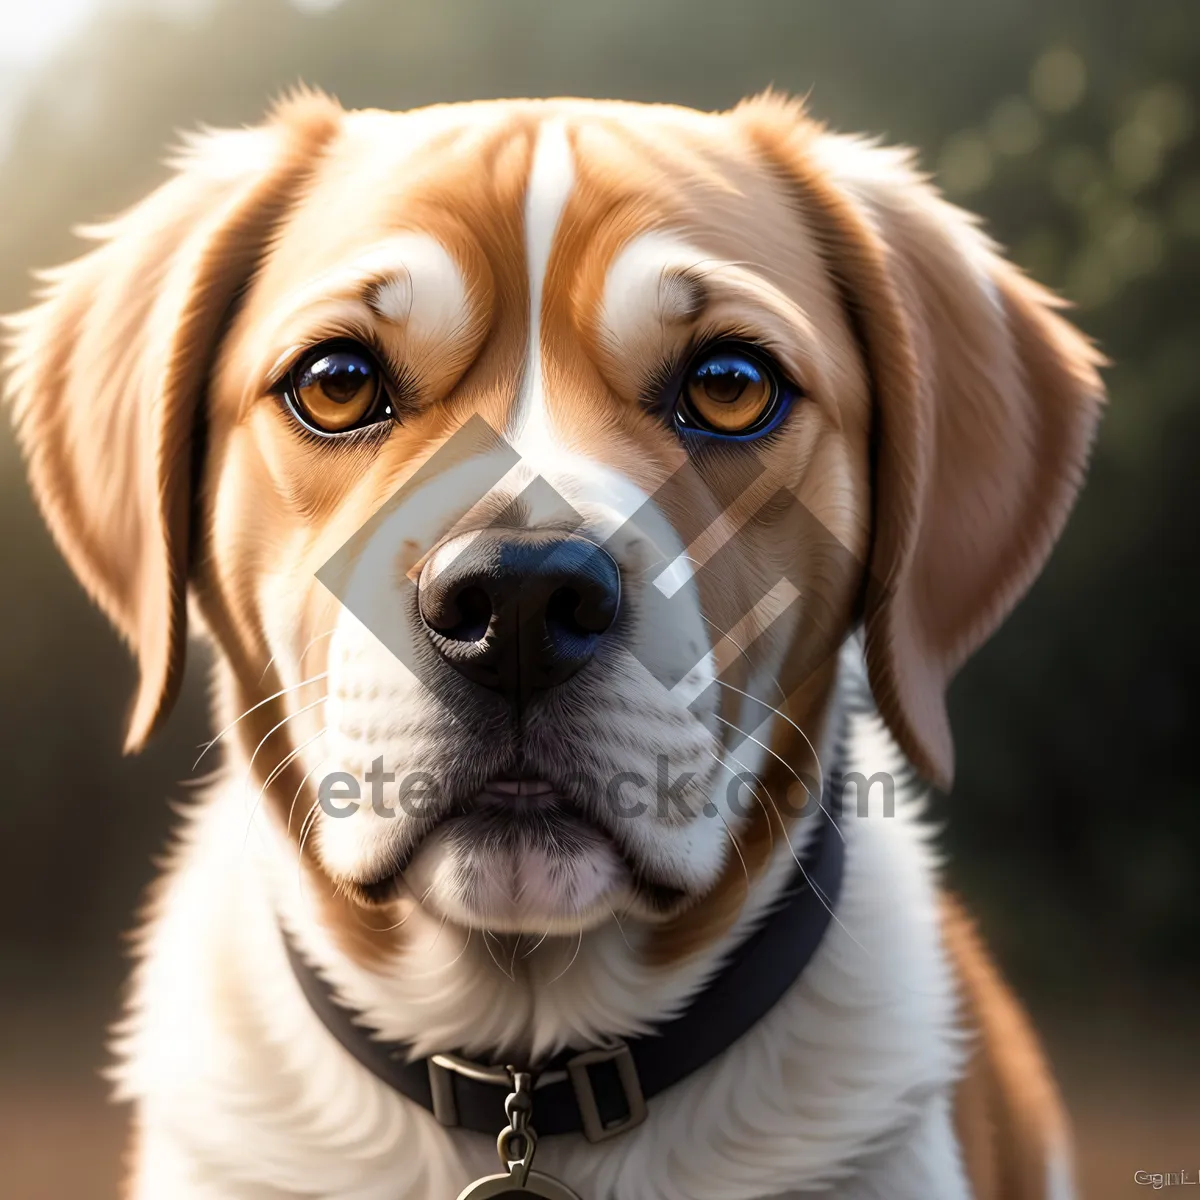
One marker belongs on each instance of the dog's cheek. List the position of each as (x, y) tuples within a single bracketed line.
[(350, 838)]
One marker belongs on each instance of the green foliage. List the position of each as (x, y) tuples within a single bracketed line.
[(1074, 813)]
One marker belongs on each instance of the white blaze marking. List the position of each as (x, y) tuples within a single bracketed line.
[(604, 497), (551, 180), (411, 281)]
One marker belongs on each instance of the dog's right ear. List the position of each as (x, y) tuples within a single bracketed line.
[(107, 371), (985, 403)]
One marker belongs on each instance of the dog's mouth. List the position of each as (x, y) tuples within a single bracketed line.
[(521, 849)]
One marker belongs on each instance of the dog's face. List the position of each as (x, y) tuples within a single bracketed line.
[(529, 462), (525, 637)]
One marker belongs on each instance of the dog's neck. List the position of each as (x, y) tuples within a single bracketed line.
[(485, 995)]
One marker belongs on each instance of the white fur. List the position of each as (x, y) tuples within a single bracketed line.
[(243, 1094), (424, 290), (409, 279), (648, 293), (551, 182)]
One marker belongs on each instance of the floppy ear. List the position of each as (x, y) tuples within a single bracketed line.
[(106, 374), (985, 405)]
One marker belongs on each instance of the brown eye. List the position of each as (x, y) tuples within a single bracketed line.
[(337, 388), (728, 392)]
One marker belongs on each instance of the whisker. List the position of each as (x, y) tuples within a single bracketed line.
[(536, 944), (818, 892), (437, 936), (277, 726), (310, 819), (438, 970), (305, 828), (621, 928), (783, 697), (290, 756), (487, 945), (742, 651), (274, 696), (307, 775), (578, 947), (404, 919), (788, 766), (754, 792), (250, 770), (785, 717), (282, 766), (303, 653)]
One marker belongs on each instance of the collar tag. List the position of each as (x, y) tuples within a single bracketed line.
[(516, 1146)]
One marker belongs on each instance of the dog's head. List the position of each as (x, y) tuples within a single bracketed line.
[(529, 462)]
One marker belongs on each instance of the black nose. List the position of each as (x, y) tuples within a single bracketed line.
[(518, 611)]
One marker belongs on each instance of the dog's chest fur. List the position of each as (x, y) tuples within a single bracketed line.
[(846, 1084)]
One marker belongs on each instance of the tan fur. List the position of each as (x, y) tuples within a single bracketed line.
[(986, 405), (1008, 1115), (116, 356)]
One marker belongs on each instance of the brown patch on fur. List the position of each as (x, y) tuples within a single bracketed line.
[(986, 402), (131, 1160), (1007, 1112), (772, 820), (108, 369)]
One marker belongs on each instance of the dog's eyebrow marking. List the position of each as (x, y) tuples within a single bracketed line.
[(421, 288), (391, 299), (655, 281), (551, 180), (681, 296), (658, 285)]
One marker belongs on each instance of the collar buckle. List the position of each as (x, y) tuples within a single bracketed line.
[(617, 1053), (443, 1068)]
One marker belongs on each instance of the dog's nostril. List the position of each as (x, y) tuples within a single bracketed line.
[(583, 611), (566, 613), (463, 616)]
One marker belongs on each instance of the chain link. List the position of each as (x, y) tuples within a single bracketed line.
[(517, 1139)]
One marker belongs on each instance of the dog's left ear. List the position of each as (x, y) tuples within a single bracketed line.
[(985, 403), (107, 371)]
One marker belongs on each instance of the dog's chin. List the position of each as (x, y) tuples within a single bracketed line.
[(518, 857), (522, 858), (543, 877)]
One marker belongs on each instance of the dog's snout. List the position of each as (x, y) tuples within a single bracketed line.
[(518, 611)]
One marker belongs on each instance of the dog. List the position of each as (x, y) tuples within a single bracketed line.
[(574, 496)]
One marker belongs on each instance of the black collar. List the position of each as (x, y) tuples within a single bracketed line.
[(603, 1091)]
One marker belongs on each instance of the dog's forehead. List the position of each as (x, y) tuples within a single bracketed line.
[(463, 174), (484, 243)]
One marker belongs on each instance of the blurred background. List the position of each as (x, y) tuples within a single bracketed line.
[(1072, 127)]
